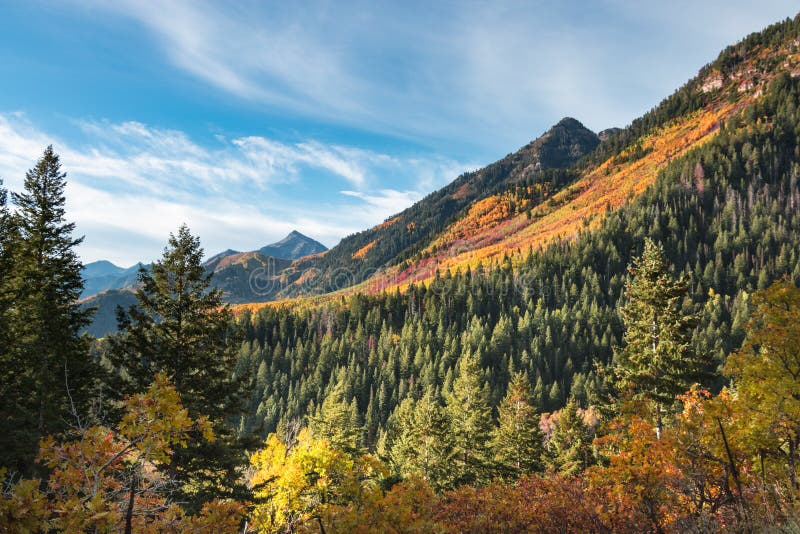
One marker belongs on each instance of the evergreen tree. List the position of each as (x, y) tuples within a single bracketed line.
[(569, 449), (470, 416), (335, 421), (658, 361), (181, 328), (47, 371), (518, 443), (7, 234), (421, 444)]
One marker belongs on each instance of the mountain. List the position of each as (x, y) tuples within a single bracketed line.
[(293, 246), (105, 304), (608, 133), (247, 276), (360, 256), (529, 206), (528, 276), (221, 255), (101, 268), (241, 276), (103, 275)]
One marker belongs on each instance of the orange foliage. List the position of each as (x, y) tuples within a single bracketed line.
[(360, 253), (389, 222), (90, 475), (489, 231), (533, 504), (642, 481)]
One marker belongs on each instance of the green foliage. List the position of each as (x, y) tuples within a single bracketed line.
[(657, 361), (470, 416), (518, 443), (766, 380), (569, 449), (421, 443), (180, 328), (46, 369), (335, 422)]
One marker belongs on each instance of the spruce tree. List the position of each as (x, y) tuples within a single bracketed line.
[(470, 416), (179, 326), (7, 234), (657, 361), (421, 444), (48, 375), (569, 449), (518, 443), (335, 421)]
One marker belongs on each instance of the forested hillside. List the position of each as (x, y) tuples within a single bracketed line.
[(726, 214), (594, 359), (356, 258)]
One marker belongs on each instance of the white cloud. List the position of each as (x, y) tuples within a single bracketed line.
[(130, 185), (386, 202), (489, 74)]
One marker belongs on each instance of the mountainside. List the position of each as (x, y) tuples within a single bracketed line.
[(711, 174), (359, 256), (518, 203), (103, 275)]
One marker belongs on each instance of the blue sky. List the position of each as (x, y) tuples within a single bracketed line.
[(249, 119)]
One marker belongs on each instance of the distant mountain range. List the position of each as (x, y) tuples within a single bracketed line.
[(242, 277), (103, 275)]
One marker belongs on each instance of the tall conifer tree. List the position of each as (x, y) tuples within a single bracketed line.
[(470, 417), (657, 361), (421, 445), (47, 371), (334, 421), (569, 449), (7, 233), (180, 327), (518, 442)]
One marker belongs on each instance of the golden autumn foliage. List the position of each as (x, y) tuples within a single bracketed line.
[(94, 469), (360, 253), (295, 486)]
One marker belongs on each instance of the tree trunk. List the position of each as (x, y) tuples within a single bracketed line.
[(129, 513), (793, 462)]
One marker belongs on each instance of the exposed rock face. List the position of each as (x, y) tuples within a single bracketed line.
[(606, 134)]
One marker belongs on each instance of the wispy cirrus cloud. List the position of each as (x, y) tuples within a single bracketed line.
[(131, 184), (486, 73)]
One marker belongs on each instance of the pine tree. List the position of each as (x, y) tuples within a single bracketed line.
[(421, 444), (569, 449), (518, 443), (334, 421), (181, 328), (657, 361), (47, 372), (7, 234), (470, 417)]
